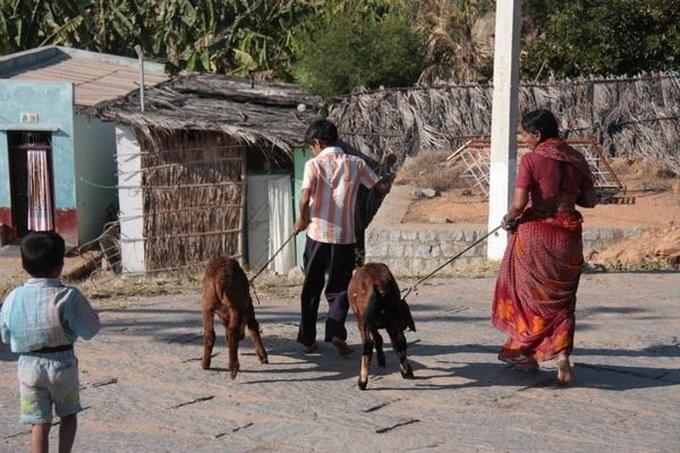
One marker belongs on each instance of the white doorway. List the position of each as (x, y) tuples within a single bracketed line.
[(269, 207)]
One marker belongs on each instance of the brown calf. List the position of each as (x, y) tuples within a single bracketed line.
[(376, 302), (226, 292)]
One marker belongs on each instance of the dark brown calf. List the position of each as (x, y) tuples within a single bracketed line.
[(226, 292), (376, 302)]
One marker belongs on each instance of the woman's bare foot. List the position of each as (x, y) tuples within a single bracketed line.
[(565, 375)]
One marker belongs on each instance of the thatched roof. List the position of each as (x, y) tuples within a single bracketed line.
[(637, 116), (251, 111)]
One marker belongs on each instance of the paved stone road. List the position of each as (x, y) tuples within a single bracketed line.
[(142, 369)]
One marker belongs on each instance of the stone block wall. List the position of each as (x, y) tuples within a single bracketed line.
[(417, 249)]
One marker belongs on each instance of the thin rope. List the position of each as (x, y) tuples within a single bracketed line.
[(252, 280), (412, 288), (285, 243)]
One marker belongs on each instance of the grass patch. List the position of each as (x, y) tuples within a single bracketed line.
[(483, 269), (649, 265), (9, 284), (111, 286)]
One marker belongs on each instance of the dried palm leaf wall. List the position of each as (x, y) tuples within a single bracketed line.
[(193, 198), (635, 117)]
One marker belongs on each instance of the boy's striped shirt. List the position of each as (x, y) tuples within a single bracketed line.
[(333, 178)]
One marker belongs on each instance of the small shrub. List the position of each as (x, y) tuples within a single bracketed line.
[(350, 48), (429, 170)]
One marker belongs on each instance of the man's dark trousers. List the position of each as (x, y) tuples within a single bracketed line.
[(319, 258)]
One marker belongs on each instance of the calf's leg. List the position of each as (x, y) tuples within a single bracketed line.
[(399, 345), (254, 330), (232, 333), (208, 337), (365, 358), (378, 339)]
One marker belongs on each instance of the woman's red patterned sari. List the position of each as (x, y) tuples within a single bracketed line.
[(535, 292), (536, 289)]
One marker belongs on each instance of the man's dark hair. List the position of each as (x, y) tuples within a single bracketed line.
[(322, 130), (42, 253), (543, 121)]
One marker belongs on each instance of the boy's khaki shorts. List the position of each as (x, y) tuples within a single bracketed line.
[(47, 379)]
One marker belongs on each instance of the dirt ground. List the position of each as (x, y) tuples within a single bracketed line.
[(143, 388), (656, 208), (12, 274), (651, 210)]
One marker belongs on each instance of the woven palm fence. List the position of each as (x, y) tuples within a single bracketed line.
[(634, 117), (193, 185)]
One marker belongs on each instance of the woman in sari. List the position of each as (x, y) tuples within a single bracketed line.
[(535, 292)]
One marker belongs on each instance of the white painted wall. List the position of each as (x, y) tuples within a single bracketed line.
[(94, 145), (130, 200), (504, 119)]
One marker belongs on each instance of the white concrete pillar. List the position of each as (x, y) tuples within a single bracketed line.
[(130, 200), (504, 119)]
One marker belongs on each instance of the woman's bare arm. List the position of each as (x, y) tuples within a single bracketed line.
[(587, 199), (519, 202)]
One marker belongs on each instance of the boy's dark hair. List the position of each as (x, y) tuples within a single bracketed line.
[(42, 253), (543, 121), (322, 130)]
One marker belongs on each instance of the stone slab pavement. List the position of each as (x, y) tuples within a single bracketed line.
[(145, 392)]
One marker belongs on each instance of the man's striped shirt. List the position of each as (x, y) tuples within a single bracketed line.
[(333, 179)]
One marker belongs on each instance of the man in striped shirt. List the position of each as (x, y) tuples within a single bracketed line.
[(329, 190)]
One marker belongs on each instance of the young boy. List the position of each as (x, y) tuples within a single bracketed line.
[(41, 320)]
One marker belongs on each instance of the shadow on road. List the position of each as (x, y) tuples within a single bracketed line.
[(325, 364)]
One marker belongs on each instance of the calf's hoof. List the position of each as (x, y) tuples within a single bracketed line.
[(362, 384), (205, 364), (264, 359), (233, 371), (406, 371)]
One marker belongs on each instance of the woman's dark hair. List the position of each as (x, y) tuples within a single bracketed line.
[(322, 130), (543, 121), (42, 253)]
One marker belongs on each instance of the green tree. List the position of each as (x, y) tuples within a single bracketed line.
[(582, 37), (456, 33), (239, 37), (228, 36), (358, 44)]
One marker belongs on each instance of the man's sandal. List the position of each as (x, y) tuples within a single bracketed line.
[(342, 347)]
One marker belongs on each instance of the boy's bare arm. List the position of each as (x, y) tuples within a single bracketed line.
[(4, 321), (304, 219)]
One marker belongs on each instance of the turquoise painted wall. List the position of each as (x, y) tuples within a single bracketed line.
[(53, 102), (300, 156), (5, 200)]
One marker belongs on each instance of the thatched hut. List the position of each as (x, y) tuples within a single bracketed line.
[(635, 117), (206, 169)]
